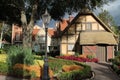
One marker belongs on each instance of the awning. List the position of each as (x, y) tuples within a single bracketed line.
[(97, 38)]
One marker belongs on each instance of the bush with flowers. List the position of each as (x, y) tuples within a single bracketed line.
[(80, 59)]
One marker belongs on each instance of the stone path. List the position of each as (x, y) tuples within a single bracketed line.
[(103, 71)]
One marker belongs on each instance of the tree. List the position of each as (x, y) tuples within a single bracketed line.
[(28, 11), (108, 20)]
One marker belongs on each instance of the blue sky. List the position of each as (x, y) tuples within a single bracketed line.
[(113, 9)]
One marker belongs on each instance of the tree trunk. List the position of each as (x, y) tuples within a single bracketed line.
[(28, 28)]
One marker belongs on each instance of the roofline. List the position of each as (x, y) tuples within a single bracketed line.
[(89, 13)]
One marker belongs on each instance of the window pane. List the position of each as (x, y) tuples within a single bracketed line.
[(79, 27), (70, 46), (88, 26)]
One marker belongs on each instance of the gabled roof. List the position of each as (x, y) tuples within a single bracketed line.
[(35, 31), (95, 17), (51, 32), (64, 23)]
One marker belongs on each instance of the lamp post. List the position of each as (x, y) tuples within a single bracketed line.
[(46, 19)]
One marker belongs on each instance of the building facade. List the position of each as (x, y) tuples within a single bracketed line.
[(88, 35)]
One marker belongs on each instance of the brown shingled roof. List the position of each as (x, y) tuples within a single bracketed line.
[(51, 31), (64, 23)]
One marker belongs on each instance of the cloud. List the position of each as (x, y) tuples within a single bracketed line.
[(113, 8)]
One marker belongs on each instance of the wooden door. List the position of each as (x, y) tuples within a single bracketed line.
[(101, 53)]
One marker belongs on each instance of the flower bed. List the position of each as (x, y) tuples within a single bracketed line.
[(69, 70), (80, 59)]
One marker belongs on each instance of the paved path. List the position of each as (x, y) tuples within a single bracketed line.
[(103, 71), (2, 77)]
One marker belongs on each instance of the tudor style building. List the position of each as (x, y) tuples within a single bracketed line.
[(88, 35)]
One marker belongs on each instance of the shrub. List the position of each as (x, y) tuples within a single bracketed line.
[(90, 56), (56, 64), (2, 51), (116, 60), (68, 68), (116, 64), (3, 68), (18, 54), (75, 74), (117, 53), (41, 53), (24, 70), (31, 71), (38, 57), (80, 59)]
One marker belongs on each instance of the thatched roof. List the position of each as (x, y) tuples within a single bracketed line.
[(97, 38)]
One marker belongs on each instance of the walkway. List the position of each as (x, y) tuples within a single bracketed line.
[(2, 77), (103, 71)]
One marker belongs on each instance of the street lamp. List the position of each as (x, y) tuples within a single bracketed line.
[(46, 19)]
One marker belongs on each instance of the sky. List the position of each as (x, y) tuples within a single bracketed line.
[(112, 8)]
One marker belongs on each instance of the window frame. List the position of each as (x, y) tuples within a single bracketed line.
[(88, 26)]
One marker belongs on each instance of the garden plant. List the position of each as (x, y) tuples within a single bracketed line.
[(19, 62)]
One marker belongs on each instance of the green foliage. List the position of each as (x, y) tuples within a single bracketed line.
[(20, 73), (56, 64), (33, 74), (57, 8), (39, 53), (3, 57), (2, 51), (3, 68), (117, 53), (90, 56), (38, 57), (108, 20), (77, 54), (116, 60), (76, 74), (17, 54)]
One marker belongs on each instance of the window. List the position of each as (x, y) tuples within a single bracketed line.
[(42, 46), (88, 26), (79, 27), (41, 39), (70, 46), (17, 37)]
